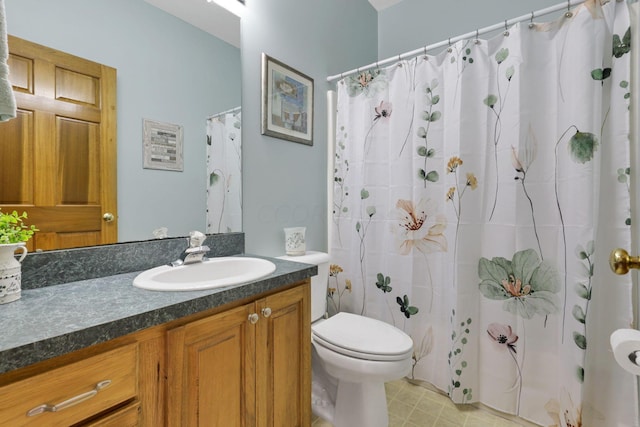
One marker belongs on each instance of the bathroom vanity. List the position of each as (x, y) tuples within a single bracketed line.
[(235, 356)]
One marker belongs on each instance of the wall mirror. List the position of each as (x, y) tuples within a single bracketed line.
[(170, 69)]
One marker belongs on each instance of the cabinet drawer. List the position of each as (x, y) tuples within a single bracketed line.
[(129, 416), (73, 392)]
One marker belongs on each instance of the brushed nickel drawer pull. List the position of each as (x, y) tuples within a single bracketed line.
[(69, 402)]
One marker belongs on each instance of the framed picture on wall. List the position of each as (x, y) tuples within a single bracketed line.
[(287, 102)]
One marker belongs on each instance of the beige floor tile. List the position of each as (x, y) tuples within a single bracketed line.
[(421, 418), (454, 415), (430, 406), (410, 395), (479, 418), (395, 421), (400, 409), (440, 422), (392, 388), (411, 405)]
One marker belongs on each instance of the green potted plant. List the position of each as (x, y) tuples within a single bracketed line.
[(13, 236)]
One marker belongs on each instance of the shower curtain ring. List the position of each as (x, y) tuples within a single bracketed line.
[(506, 29), (531, 24), (477, 37), (449, 49), (569, 14)]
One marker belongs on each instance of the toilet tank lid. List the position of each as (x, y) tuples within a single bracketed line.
[(310, 257)]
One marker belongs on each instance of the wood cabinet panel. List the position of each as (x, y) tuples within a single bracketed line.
[(284, 369), (211, 371), (70, 389)]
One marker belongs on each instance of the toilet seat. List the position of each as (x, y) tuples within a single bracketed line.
[(362, 338)]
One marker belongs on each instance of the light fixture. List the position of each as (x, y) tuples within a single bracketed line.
[(234, 6)]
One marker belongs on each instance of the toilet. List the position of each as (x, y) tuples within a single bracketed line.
[(352, 357)]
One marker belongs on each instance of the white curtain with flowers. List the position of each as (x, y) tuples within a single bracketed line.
[(224, 172), (477, 195)]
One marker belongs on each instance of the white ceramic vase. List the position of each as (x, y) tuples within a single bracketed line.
[(295, 241), (11, 271)]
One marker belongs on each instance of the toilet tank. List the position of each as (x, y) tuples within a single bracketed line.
[(318, 282)]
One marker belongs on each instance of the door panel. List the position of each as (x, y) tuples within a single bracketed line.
[(58, 158)]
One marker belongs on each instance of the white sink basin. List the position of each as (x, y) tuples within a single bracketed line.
[(212, 273)]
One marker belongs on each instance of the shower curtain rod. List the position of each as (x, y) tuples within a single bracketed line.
[(504, 25), (232, 110)]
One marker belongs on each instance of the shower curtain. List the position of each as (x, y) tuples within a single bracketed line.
[(477, 195), (224, 171)]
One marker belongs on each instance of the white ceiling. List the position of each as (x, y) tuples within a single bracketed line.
[(218, 21), (383, 4), (208, 17)]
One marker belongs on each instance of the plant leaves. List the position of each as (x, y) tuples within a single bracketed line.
[(580, 373), (578, 314), (582, 291), (432, 176), (421, 132), (364, 194), (501, 55), (422, 151), (509, 73), (371, 211), (435, 99), (620, 47), (435, 116), (600, 74), (490, 100), (580, 340), (582, 146), (431, 152), (213, 178)]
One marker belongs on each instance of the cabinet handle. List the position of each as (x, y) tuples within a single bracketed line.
[(253, 318), (69, 402), (266, 312)]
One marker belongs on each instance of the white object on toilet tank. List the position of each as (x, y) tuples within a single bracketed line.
[(318, 283)]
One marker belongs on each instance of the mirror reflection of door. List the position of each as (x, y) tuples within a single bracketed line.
[(58, 156)]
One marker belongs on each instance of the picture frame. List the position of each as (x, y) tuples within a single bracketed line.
[(287, 102), (162, 146)]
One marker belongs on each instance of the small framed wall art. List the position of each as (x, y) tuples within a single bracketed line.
[(162, 145), (287, 102)]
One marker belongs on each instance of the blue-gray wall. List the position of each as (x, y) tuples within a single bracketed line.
[(168, 71), (284, 183), (413, 24)]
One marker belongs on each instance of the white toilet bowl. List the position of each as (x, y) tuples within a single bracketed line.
[(352, 357)]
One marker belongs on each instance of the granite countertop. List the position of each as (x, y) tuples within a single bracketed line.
[(53, 320)]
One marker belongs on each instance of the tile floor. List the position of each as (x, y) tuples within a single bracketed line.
[(415, 406)]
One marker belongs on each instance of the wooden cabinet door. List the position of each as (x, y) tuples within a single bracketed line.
[(58, 157), (211, 371), (283, 363)]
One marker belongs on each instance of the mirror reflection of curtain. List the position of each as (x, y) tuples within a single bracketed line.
[(224, 172)]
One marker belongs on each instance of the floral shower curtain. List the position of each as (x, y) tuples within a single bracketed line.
[(477, 195), (224, 171)]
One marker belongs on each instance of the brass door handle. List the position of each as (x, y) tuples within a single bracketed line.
[(108, 217), (621, 262)]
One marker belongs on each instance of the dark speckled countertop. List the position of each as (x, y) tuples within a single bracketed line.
[(49, 321)]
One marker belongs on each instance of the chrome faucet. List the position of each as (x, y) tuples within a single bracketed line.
[(196, 252)]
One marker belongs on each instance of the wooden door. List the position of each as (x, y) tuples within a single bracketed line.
[(58, 157), (211, 371), (283, 359)]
